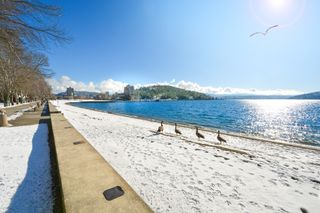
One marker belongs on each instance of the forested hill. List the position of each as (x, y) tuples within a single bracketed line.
[(79, 93), (169, 92), (314, 95)]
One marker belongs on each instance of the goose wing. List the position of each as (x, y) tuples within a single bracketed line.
[(221, 139), (199, 135)]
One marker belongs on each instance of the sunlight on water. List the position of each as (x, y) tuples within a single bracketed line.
[(282, 118), (289, 120)]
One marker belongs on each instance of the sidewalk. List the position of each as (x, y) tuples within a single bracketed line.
[(13, 109), (85, 174), (26, 183), (30, 117)]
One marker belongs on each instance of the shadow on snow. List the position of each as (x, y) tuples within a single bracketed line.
[(34, 194)]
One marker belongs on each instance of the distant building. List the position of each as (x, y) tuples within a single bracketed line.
[(126, 95), (128, 91), (103, 96), (70, 92)]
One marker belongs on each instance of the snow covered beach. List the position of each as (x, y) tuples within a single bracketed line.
[(25, 178), (172, 175)]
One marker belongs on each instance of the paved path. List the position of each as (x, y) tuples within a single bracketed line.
[(85, 174), (30, 117), (13, 109)]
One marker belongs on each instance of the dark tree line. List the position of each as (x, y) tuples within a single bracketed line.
[(169, 92), (26, 28)]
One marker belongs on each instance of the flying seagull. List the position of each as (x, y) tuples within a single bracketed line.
[(264, 33)]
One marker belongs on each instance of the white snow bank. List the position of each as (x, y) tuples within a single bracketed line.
[(17, 114), (25, 178), (172, 175)]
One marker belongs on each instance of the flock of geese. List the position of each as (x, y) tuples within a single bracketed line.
[(198, 134)]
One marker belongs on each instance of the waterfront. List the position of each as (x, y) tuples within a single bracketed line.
[(287, 120)]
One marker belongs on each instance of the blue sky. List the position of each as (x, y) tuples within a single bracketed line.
[(204, 43)]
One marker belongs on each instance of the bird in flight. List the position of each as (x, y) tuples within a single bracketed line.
[(265, 32)]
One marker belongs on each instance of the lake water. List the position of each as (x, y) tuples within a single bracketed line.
[(288, 120)]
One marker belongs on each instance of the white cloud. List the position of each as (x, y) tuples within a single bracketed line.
[(61, 85), (113, 86), (172, 81), (234, 91), (64, 82)]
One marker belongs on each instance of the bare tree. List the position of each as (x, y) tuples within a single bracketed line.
[(26, 25), (33, 21)]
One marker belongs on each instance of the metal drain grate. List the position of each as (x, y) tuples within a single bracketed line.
[(78, 142), (113, 193), (55, 112)]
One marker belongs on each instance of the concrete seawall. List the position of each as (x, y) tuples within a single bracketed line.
[(85, 174)]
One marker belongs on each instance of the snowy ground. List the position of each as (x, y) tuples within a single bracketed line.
[(25, 178), (172, 175), (16, 114)]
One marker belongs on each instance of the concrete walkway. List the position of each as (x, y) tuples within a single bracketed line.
[(13, 109), (31, 117), (85, 175)]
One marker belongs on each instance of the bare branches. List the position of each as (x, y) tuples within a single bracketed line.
[(26, 25), (33, 21)]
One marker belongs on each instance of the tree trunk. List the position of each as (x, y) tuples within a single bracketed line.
[(6, 99)]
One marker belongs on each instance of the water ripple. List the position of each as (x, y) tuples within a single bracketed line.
[(289, 120)]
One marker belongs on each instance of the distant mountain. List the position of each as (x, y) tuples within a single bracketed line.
[(255, 97), (60, 94), (169, 92), (313, 95), (79, 93)]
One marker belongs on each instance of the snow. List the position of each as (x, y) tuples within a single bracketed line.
[(17, 114), (173, 175), (25, 176)]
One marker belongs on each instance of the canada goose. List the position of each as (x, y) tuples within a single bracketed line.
[(160, 129), (177, 131), (220, 139), (199, 135)]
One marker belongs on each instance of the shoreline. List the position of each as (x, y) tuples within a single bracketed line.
[(204, 177), (303, 145)]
